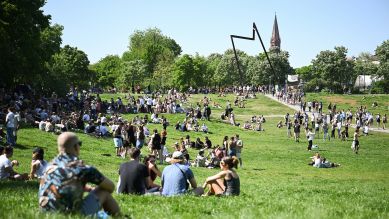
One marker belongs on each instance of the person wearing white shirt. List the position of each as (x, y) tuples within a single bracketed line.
[(10, 124), (310, 136), (6, 166), (204, 128), (38, 164), (103, 119)]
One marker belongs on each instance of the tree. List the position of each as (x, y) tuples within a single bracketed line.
[(364, 64), (281, 66), (306, 73), (68, 68), (213, 61), (382, 53), (335, 69), (200, 77), (151, 47), (108, 70), (227, 72), (254, 71), (22, 48), (183, 72), (131, 72)]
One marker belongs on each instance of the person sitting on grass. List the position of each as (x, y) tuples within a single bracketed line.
[(134, 175), (175, 178), (154, 172), (279, 124), (38, 164), (200, 160), (64, 182), (247, 125), (6, 166), (227, 181)]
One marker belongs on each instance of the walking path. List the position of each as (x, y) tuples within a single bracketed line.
[(297, 108)]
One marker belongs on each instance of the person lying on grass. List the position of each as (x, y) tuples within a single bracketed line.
[(226, 182), (321, 162), (64, 182)]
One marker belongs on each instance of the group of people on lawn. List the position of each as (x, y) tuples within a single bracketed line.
[(64, 180)]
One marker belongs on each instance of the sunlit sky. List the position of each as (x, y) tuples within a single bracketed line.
[(102, 27)]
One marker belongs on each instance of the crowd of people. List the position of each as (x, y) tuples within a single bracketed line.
[(66, 177), (64, 180)]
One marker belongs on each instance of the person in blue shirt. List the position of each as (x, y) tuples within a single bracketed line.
[(176, 176)]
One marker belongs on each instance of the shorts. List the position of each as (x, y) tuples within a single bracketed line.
[(232, 152), (118, 142), (90, 205)]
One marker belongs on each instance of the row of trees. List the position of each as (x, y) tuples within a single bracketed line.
[(334, 71), (155, 60), (31, 52)]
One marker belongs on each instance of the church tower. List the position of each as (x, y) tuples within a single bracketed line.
[(275, 42)]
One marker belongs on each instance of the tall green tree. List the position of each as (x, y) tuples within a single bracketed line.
[(227, 72), (132, 73), (335, 69), (22, 54), (200, 77), (107, 70), (281, 66), (68, 68), (365, 64), (254, 71), (183, 72), (305, 73), (152, 47), (382, 53), (213, 61)]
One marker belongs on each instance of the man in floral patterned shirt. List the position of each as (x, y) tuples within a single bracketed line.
[(64, 182)]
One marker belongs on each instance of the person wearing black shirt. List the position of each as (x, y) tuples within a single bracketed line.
[(296, 129), (134, 176)]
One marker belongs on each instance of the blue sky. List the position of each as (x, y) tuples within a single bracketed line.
[(102, 27)]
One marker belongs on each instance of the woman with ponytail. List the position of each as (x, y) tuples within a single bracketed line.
[(227, 181)]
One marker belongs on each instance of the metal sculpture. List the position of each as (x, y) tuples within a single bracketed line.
[(255, 30)]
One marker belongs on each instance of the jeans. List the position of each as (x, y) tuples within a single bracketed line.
[(10, 136)]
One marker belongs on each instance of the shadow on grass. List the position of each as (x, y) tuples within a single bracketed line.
[(259, 169), (22, 147), (19, 185)]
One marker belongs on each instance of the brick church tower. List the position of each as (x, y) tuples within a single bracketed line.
[(275, 42)]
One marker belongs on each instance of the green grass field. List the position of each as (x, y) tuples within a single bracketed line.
[(352, 102), (276, 181)]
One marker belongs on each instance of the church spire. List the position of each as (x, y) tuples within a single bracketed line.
[(275, 42)]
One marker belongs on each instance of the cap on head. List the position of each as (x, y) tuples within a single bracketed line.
[(178, 155)]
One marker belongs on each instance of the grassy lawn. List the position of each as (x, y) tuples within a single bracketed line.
[(276, 181), (352, 102)]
